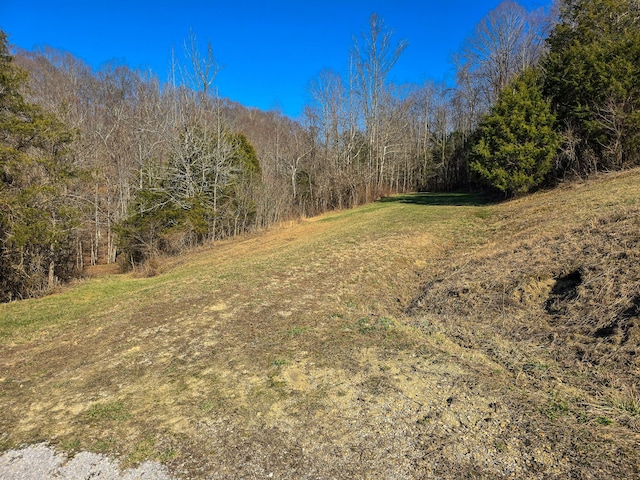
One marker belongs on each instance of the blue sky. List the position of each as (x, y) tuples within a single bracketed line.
[(269, 50)]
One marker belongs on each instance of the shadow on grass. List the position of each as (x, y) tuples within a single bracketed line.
[(440, 199)]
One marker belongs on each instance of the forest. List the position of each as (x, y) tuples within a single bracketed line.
[(116, 166)]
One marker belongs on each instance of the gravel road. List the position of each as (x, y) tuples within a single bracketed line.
[(41, 462)]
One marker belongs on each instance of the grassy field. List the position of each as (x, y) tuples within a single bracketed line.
[(423, 336)]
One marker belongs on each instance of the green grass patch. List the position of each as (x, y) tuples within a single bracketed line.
[(103, 445), (438, 199), (85, 302), (296, 331), (369, 325), (142, 450), (109, 411), (555, 408)]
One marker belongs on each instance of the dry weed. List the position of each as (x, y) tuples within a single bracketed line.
[(555, 300)]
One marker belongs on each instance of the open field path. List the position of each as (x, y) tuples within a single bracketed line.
[(311, 351), (284, 352)]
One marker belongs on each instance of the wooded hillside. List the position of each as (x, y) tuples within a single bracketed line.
[(115, 165)]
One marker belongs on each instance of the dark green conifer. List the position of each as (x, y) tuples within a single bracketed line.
[(516, 142), (592, 74), (37, 220)]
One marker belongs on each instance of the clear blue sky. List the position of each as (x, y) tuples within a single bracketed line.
[(269, 50)]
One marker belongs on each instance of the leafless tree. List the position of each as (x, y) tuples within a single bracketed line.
[(200, 70), (374, 55), (507, 41)]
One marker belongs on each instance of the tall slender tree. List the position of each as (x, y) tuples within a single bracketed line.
[(373, 57)]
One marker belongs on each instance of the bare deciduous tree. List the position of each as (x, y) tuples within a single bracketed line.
[(507, 41), (374, 55)]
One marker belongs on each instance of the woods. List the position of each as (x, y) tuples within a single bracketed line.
[(115, 165), (38, 220)]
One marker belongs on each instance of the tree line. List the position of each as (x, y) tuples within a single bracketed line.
[(99, 166)]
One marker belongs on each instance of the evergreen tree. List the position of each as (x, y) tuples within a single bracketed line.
[(37, 220), (515, 143), (592, 71), (245, 155)]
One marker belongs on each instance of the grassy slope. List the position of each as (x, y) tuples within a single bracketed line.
[(425, 336)]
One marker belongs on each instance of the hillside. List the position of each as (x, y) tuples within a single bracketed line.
[(424, 336)]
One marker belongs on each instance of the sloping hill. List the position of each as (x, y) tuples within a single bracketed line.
[(425, 336), (553, 298)]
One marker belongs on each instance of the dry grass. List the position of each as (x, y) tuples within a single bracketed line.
[(554, 299), (422, 337)]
